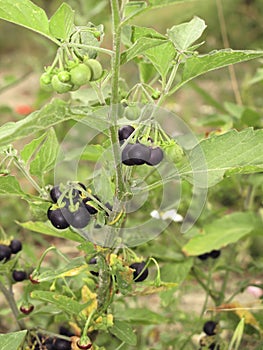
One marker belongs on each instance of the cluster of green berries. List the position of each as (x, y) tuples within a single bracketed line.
[(138, 153), (210, 329), (72, 76), (64, 215), (214, 254), (140, 271)]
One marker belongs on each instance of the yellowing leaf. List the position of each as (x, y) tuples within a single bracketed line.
[(73, 272), (89, 297)]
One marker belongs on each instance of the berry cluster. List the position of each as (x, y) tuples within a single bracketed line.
[(64, 215), (43, 342), (138, 153), (73, 75), (214, 254), (7, 250), (210, 329)]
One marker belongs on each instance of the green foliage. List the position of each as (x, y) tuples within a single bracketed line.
[(12, 340)]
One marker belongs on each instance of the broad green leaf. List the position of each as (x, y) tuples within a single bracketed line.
[(176, 272), (137, 32), (47, 229), (10, 186), (222, 232), (124, 332), (185, 34), (197, 65), (53, 113), (46, 156), (31, 148), (12, 340), (62, 22), (162, 57), (139, 316), (223, 155), (134, 8), (62, 302), (25, 13)]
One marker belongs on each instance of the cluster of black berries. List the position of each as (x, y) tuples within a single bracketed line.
[(7, 250), (138, 153), (43, 342), (214, 254), (63, 217), (140, 273), (210, 329)]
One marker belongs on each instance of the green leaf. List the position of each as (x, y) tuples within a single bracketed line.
[(62, 22), (223, 155), (10, 186), (47, 229), (53, 113), (139, 316), (176, 272), (185, 34), (92, 153), (31, 148), (25, 13), (124, 332), (63, 302), (221, 232), (134, 8), (197, 65), (46, 156), (12, 340)]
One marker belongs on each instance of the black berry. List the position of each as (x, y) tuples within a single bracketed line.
[(125, 157), (214, 254), (80, 218), (156, 156), (138, 275), (209, 327), (15, 246), (139, 154), (65, 331), (5, 252), (203, 256), (60, 218), (84, 347), (19, 275), (55, 193), (61, 344), (27, 309), (125, 131), (89, 207)]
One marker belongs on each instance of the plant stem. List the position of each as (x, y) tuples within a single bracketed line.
[(12, 303), (20, 166)]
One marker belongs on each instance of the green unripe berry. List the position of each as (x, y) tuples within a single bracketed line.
[(45, 82), (64, 76), (132, 112), (80, 75), (59, 86), (95, 67), (173, 151)]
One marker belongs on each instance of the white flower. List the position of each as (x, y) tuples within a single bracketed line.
[(169, 214)]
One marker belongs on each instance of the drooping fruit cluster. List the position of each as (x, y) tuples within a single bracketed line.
[(71, 207), (214, 254), (71, 76), (7, 250), (210, 328), (43, 342), (140, 272), (138, 153)]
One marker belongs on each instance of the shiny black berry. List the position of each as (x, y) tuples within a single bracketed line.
[(214, 254), (19, 275), (60, 218), (88, 206), (55, 193), (203, 256), (15, 246), (139, 154), (125, 157), (61, 344), (209, 327), (5, 252), (80, 218), (138, 275), (125, 131), (65, 331), (156, 156)]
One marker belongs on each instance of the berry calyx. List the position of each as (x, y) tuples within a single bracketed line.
[(210, 327), (5, 252), (19, 275), (15, 246), (156, 156), (140, 273), (125, 131)]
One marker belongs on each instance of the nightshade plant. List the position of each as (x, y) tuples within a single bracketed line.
[(121, 132)]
